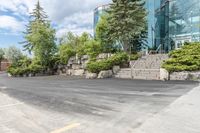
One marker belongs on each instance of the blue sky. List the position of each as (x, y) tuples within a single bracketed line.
[(73, 15)]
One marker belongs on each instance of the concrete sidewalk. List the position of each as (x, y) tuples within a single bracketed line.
[(182, 116)]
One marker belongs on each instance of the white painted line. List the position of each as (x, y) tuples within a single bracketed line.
[(66, 128), (10, 105), (4, 87)]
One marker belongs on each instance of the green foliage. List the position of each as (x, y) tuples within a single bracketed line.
[(25, 66), (80, 45), (92, 48), (106, 64), (13, 54), (65, 52), (185, 59), (101, 34), (40, 37), (70, 39), (127, 19), (134, 56), (2, 53)]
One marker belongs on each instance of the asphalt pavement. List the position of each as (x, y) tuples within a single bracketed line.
[(58, 104)]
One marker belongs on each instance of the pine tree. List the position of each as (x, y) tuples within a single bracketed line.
[(127, 20), (40, 36)]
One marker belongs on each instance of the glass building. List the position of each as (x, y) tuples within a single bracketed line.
[(171, 23), (97, 14)]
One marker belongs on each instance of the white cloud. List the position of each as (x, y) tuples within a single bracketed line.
[(69, 15), (10, 23)]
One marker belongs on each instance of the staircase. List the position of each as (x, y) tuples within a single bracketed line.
[(147, 68)]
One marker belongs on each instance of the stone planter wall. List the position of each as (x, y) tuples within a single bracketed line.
[(181, 76), (185, 75)]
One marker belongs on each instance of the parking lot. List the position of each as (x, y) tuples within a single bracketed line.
[(59, 104)]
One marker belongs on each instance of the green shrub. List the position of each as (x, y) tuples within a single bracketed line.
[(185, 59), (25, 66), (107, 64), (34, 68), (65, 52), (135, 56)]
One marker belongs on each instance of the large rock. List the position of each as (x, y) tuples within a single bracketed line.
[(116, 69), (70, 72), (91, 75), (85, 57), (104, 56), (105, 74), (76, 66), (79, 72), (164, 74), (84, 64)]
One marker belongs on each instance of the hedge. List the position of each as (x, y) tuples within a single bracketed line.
[(185, 59)]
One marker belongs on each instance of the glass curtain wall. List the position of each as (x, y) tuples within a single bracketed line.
[(184, 22), (97, 14), (177, 22)]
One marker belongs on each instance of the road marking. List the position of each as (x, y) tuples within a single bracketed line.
[(3, 88), (66, 128), (10, 105)]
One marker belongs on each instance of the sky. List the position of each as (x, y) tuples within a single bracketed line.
[(65, 15)]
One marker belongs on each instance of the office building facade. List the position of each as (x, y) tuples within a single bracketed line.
[(171, 23)]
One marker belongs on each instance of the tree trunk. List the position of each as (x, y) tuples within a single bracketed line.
[(126, 47)]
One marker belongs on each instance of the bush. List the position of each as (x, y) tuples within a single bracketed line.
[(91, 48), (65, 52), (134, 57), (25, 66), (107, 64), (185, 59)]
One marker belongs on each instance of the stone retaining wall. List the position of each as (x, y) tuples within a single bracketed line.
[(185, 75), (77, 67)]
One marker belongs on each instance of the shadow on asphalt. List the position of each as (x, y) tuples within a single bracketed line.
[(88, 97)]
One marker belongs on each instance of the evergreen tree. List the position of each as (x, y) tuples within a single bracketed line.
[(126, 21), (102, 32), (40, 36)]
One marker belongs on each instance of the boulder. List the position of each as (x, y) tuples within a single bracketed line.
[(116, 69), (70, 72), (10, 75), (76, 66), (103, 56), (91, 75), (105, 74), (85, 57), (79, 72), (164, 74)]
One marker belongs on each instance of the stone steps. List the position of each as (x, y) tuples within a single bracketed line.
[(124, 73), (147, 68)]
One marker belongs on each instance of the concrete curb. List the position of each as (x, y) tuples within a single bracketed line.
[(182, 116)]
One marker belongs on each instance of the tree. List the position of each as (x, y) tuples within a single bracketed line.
[(127, 19), (102, 31), (13, 54), (70, 39), (139, 42), (40, 37), (2, 53)]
